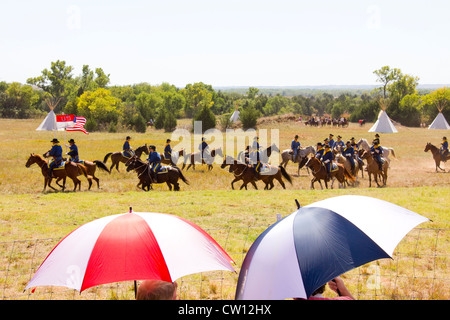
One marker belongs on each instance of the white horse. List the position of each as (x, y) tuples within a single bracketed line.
[(302, 154), (362, 143)]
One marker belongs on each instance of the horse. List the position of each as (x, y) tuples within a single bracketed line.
[(320, 173), (301, 155), (346, 163), (91, 166), (436, 155), (71, 170), (386, 150), (145, 179), (246, 173), (243, 156), (203, 160), (173, 160), (117, 157), (373, 169)]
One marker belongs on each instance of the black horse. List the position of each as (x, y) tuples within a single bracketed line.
[(170, 177)]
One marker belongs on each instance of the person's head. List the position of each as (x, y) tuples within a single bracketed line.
[(54, 141), (71, 141), (128, 138), (168, 141), (152, 148), (339, 137), (327, 147), (157, 290), (319, 145), (296, 137), (444, 138), (331, 136), (348, 143)]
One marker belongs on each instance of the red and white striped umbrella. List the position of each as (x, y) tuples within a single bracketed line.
[(130, 246)]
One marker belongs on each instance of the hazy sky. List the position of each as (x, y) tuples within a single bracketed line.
[(245, 42)]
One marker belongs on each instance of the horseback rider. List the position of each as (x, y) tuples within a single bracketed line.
[(377, 137), (327, 160), (444, 149), (127, 150), (349, 153), (320, 150), (255, 145), (331, 141), (295, 146), (154, 159), (339, 144), (55, 152), (356, 148), (377, 151), (167, 150), (204, 148), (73, 153), (255, 160)]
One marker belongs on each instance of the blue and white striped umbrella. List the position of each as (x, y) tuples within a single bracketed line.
[(320, 241)]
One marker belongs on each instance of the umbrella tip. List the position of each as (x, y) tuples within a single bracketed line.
[(298, 204), (131, 209)]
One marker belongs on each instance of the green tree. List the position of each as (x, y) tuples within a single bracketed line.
[(55, 82), (170, 122), (249, 115), (207, 118), (99, 105), (385, 76)]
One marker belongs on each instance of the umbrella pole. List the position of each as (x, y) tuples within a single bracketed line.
[(135, 289), (298, 204)]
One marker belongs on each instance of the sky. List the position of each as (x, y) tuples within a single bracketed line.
[(228, 43)]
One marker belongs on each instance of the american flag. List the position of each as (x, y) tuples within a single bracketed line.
[(79, 125)]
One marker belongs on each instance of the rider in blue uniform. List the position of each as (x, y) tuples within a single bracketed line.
[(331, 141), (154, 159), (349, 153), (444, 149), (73, 153), (377, 152), (204, 148), (295, 146), (255, 160), (339, 144), (55, 152), (327, 160), (167, 150), (320, 150), (127, 152)]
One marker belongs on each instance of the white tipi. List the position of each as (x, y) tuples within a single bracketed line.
[(439, 123), (383, 124), (235, 116), (49, 123)]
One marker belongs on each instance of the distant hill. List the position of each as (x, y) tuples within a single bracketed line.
[(309, 90)]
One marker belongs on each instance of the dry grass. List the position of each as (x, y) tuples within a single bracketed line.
[(26, 213)]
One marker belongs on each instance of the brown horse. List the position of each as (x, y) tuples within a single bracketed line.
[(197, 157), (91, 167), (175, 156), (373, 169), (246, 173), (145, 179), (118, 157), (320, 173), (71, 170), (436, 155)]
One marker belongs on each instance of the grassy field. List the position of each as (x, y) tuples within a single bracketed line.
[(27, 213)]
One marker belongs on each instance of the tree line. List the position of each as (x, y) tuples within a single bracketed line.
[(132, 107)]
